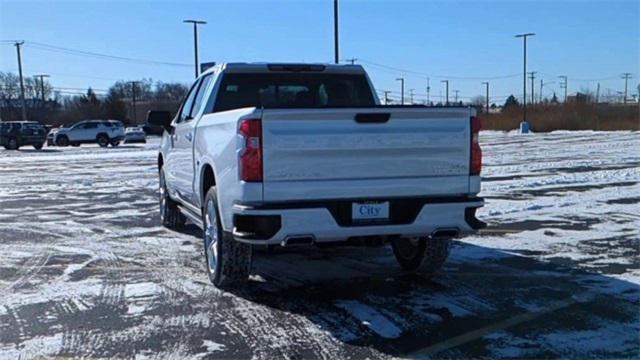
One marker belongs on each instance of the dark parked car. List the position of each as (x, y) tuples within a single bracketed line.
[(14, 134)]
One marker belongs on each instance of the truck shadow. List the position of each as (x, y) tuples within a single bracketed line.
[(360, 299)]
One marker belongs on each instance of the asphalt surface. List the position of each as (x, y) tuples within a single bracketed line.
[(87, 271)]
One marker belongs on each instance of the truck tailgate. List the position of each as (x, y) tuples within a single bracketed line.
[(312, 154)]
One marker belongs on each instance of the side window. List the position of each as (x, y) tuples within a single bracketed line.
[(185, 111), (197, 104), (91, 125)]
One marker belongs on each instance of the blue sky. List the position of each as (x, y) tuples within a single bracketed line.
[(466, 42)]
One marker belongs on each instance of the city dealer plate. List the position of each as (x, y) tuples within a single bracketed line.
[(370, 211)]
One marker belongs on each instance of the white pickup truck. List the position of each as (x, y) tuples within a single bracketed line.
[(299, 154)]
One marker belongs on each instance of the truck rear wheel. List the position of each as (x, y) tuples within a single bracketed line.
[(424, 255), (170, 215), (228, 261)]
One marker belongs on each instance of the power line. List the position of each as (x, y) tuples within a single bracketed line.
[(400, 70), (75, 52)]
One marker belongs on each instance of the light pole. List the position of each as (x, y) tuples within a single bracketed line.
[(456, 96), (524, 75), (401, 90), (446, 103), (335, 32), (411, 96), (486, 83), (195, 41)]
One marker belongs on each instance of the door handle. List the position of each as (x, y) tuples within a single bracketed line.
[(189, 136)]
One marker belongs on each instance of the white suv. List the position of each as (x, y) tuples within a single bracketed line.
[(102, 132)]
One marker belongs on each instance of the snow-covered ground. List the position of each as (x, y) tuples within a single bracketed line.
[(85, 269)]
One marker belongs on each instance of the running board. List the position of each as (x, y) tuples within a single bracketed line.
[(194, 218)]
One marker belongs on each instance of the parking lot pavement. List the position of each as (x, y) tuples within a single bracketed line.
[(86, 270)]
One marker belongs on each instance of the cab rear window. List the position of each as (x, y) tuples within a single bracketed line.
[(292, 90)]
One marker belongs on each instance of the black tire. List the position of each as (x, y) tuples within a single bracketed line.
[(38, 146), (62, 140), (228, 262), (424, 255), (12, 144), (115, 143), (102, 140), (170, 215)]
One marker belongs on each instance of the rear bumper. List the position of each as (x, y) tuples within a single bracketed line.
[(270, 224)]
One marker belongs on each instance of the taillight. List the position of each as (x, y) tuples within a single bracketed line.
[(251, 156), (476, 153)]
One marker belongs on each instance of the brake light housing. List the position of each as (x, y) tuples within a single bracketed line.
[(475, 163), (250, 159)]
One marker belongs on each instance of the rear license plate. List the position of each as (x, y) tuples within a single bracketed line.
[(367, 211)]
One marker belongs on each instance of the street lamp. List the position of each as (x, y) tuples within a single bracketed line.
[(336, 48), (524, 75), (195, 40)]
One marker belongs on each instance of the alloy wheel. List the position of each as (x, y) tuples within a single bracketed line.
[(211, 236)]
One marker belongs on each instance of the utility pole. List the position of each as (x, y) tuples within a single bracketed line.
[(41, 85), (540, 96), (386, 97), (411, 96), (24, 103), (335, 31), (428, 91), (626, 77), (598, 94), (195, 41), (456, 97), (446, 103), (542, 84), (486, 83), (524, 75), (563, 85), (532, 76), (133, 100), (401, 90)]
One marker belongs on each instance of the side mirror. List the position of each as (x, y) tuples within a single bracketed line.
[(159, 118)]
